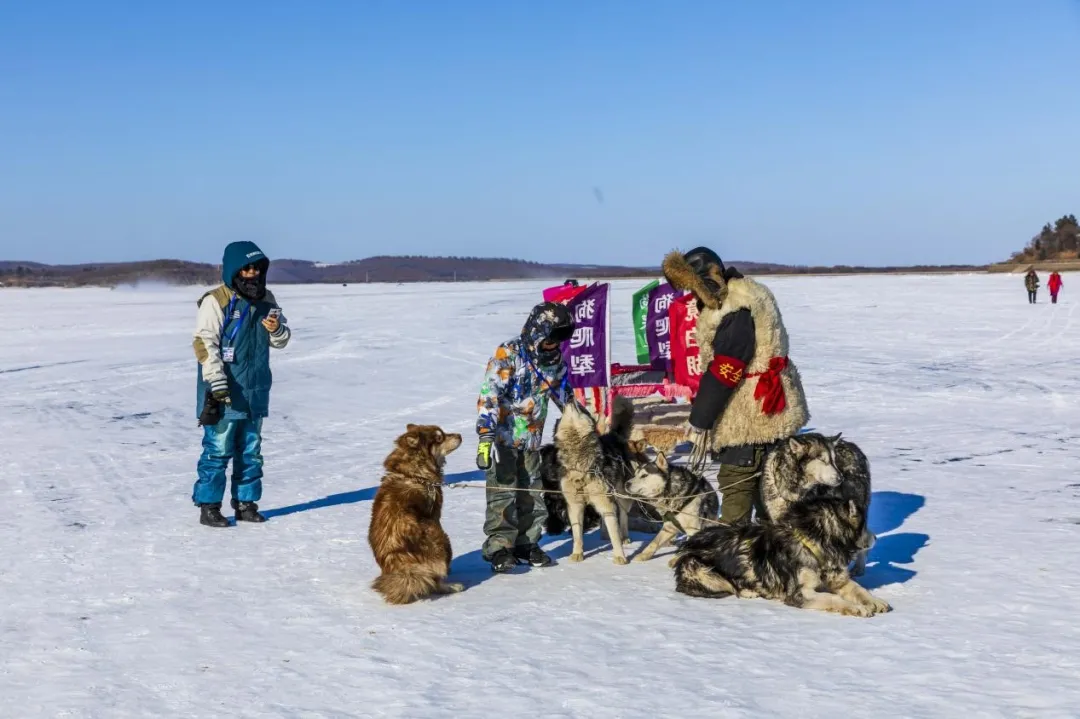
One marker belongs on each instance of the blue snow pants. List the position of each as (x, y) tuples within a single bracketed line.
[(241, 441)]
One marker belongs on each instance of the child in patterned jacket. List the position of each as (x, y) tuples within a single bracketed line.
[(521, 377)]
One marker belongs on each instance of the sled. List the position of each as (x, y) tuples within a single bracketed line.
[(661, 385)]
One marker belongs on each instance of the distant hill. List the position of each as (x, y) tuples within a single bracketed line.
[(288, 271), (378, 269), (438, 269), (107, 274)]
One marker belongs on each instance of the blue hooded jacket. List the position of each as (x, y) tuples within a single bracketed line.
[(237, 256), (249, 374)]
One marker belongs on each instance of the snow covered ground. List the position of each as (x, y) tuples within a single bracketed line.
[(118, 604)]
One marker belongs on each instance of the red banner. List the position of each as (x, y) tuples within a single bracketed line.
[(563, 293), (685, 354)]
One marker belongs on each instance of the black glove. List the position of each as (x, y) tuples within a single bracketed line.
[(699, 454), (211, 413)]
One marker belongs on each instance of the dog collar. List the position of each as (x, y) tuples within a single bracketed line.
[(811, 547)]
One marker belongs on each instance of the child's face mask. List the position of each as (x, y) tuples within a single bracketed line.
[(549, 353)]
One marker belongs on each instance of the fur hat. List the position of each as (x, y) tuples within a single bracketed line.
[(701, 271)]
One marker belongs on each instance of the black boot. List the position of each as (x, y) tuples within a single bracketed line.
[(503, 561), (247, 512), (210, 516), (534, 556)]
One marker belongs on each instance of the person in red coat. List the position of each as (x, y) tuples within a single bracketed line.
[(1054, 286)]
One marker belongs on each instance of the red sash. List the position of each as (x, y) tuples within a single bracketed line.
[(770, 389)]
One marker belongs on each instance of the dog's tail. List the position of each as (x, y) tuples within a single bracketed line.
[(577, 428), (407, 585), (621, 423), (695, 578)]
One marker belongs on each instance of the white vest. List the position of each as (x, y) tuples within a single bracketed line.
[(743, 420)]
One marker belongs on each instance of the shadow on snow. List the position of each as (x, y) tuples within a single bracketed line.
[(358, 495), (888, 512)]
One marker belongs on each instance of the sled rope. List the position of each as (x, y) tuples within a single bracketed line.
[(612, 493)]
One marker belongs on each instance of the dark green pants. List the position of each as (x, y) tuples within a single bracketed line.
[(740, 489), (513, 518)]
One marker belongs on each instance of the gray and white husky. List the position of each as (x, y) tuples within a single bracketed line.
[(812, 464), (593, 467), (802, 562), (683, 498)]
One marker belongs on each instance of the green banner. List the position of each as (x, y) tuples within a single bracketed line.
[(641, 315)]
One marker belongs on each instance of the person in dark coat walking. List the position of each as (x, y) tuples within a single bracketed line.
[(1031, 282)]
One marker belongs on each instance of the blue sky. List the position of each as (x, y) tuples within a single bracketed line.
[(789, 131)]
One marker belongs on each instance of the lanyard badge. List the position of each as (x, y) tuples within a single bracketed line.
[(228, 351)]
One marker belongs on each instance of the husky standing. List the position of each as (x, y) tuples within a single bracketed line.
[(686, 500), (558, 516), (750, 393), (813, 464), (592, 468)]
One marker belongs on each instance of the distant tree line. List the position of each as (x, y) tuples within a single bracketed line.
[(107, 275), (455, 258), (1060, 241), (412, 268)]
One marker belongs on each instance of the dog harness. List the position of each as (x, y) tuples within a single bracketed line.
[(811, 547)]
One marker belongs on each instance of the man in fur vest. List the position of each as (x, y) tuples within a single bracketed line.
[(750, 393)]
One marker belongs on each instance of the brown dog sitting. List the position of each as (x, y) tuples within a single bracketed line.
[(409, 544)]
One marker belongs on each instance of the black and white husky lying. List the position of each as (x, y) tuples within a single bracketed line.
[(811, 464), (802, 562), (816, 491)]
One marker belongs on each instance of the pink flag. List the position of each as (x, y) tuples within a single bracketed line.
[(563, 293)]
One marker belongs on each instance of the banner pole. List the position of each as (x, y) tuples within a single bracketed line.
[(607, 349)]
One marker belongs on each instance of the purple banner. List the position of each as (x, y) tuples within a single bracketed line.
[(658, 326), (586, 352)]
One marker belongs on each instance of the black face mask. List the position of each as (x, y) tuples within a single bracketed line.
[(559, 334), (253, 289), (549, 358)]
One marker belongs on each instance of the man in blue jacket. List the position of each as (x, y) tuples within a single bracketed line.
[(236, 326)]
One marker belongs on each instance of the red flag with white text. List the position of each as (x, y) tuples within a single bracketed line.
[(685, 353)]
